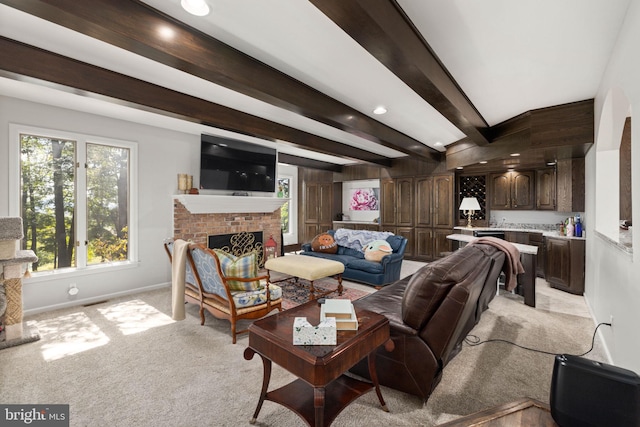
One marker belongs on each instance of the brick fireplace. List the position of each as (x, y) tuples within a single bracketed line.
[(197, 227)]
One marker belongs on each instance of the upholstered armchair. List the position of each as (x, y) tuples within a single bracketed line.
[(210, 285)]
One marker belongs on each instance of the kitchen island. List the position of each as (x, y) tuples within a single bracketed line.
[(527, 280)]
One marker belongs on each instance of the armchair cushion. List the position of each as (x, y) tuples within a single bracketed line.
[(244, 299), (244, 266)]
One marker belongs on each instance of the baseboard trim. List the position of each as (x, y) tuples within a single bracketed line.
[(97, 298)]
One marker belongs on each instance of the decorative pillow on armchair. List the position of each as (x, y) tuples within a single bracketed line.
[(325, 243), (243, 266)]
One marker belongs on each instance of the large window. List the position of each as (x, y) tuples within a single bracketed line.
[(75, 199)]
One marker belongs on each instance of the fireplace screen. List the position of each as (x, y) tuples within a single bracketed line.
[(239, 244)]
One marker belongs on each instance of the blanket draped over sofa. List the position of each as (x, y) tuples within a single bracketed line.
[(350, 253)]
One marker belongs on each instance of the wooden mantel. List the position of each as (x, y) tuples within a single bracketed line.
[(201, 203)]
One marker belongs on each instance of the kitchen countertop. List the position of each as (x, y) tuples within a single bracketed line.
[(524, 249), (545, 233)]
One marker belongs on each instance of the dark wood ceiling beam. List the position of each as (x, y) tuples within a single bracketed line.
[(384, 30), (21, 61), (308, 163), (134, 26), (548, 134)]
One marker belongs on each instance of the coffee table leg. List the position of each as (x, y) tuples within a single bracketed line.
[(374, 378), (266, 364), (318, 404)]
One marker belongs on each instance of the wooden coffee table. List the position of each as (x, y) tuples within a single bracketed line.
[(322, 389)]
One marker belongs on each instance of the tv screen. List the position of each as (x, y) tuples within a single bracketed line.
[(228, 164)]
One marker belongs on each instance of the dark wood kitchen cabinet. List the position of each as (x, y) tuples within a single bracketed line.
[(396, 209), (396, 202), (512, 190), (564, 264), (546, 189), (420, 209), (434, 197)]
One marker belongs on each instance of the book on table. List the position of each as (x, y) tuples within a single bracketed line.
[(342, 310)]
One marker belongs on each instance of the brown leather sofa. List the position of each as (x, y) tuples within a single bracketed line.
[(430, 314)]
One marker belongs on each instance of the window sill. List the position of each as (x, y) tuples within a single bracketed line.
[(107, 267), (624, 244)]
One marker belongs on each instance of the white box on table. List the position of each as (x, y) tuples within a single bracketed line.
[(344, 313)]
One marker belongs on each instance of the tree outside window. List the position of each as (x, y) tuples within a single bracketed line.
[(284, 192), (49, 194)]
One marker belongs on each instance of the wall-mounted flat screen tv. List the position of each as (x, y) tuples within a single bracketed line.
[(229, 164)]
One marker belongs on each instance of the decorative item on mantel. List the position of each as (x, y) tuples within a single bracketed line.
[(469, 205), (185, 182), (270, 248), (13, 265)]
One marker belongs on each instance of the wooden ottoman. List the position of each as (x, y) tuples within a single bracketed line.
[(306, 267)]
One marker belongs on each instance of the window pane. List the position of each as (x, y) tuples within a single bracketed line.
[(107, 203), (47, 189), (283, 191)]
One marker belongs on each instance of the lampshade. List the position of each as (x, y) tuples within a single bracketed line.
[(469, 204)]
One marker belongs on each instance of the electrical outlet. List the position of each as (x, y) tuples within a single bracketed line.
[(73, 289)]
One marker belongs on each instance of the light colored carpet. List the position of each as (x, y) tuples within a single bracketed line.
[(124, 362)]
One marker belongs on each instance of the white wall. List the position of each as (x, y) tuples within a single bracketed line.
[(612, 286), (162, 154)]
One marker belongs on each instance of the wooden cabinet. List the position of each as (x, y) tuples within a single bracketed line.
[(434, 196), (422, 210), (546, 189), (397, 202), (564, 264), (318, 208), (537, 239), (512, 190), (396, 209), (570, 185)]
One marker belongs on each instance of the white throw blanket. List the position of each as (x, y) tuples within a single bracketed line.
[(178, 272)]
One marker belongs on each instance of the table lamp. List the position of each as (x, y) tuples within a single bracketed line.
[(469, 205)]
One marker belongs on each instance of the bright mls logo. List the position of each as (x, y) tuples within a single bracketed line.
[(34, 415)]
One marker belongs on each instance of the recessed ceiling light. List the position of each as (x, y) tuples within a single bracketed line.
[(380, 110), (514, 154), (195, 7), (459, 168), (438, 144), (166, 32), (483, 162), (551, 163)]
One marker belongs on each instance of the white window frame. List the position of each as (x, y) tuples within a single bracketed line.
[(81, 139), (291, 172)]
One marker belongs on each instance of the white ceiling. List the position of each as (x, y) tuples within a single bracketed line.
[(507, 56)]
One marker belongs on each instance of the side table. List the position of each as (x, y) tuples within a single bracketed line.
[(322, 390)]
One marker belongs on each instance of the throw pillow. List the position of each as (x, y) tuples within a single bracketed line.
[(243, 266), (377, 250), (325, 243)]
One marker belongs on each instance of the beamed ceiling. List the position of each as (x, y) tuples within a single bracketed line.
[(462, 80)]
